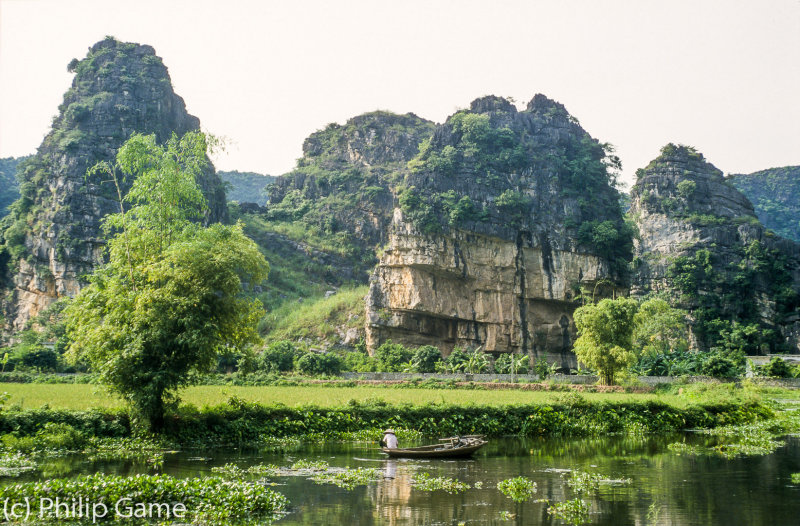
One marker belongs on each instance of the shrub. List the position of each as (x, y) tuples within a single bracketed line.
[(313, 363), (509, 363), (777, 368), (278, 357), (457, 360), (720, 366), (392, 357), (37, 358), (359, 362), (425, 359), (53, 436), (544, 369), (686, 188)]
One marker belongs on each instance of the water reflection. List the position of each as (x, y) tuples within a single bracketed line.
[(666, 488)]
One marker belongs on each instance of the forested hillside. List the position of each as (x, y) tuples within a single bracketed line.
[(246, 187), (775, 194), (9, 187)]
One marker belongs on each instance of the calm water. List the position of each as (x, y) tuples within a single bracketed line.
[(666, 488)]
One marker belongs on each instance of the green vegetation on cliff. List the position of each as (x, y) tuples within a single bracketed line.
[(736, 279), (118, 89), (724, 297), (775, 194), (496, 170), (325, 220), (342, 192)]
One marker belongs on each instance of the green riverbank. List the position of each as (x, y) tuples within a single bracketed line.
[(241, 422)]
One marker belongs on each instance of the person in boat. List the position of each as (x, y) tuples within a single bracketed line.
[(389, 439)]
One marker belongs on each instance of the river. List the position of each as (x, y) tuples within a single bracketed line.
[(664, 488)]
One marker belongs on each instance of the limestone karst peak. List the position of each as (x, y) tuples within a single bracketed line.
[(54, 237)]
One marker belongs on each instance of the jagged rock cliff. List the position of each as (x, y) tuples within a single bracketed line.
[(504, 219), (701, 243), (341, 195), (53, 238), (346, 179)]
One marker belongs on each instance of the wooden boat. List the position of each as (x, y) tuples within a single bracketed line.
[(451, 447)]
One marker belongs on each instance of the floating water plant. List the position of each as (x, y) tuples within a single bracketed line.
[(426, 482), (208, 500), (348, 478), (15, 464), (310, 465), (581, 481), (231, 470), (574, 511), (518, 489)]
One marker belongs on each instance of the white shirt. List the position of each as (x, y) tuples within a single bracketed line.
[(390, 440)]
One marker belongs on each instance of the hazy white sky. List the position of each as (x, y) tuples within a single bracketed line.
[(723, 76)]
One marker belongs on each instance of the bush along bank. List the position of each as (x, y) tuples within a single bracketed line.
[(243, 423)]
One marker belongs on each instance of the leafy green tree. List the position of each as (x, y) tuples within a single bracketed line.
[(169, 300), (455, 362), (659, 328), (605, 336)]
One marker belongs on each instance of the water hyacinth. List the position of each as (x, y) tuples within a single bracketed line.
[(211, 500), (310, 465), (15, 464), (518, 489), (427, 482), (574, 511), (582, 482), (231, 470), (348, 478)]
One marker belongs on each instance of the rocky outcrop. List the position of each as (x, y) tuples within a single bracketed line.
[(348, 175), (496, 235), (53, 239), (701, 243)]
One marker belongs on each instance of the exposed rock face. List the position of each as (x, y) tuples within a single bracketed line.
[(494, 237), (55, 238), (700, 241)]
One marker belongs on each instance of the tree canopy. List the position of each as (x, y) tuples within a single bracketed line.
[(170, 297), (605, 336)]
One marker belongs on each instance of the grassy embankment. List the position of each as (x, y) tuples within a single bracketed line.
[(86, 396), (213, 415)]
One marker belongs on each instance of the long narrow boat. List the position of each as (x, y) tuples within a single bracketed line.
[(452, 447)]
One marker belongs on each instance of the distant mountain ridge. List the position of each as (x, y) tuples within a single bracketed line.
[(775, 194), (9, 186), (246, 187)]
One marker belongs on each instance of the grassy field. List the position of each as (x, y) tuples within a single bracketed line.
[(83, 396)]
